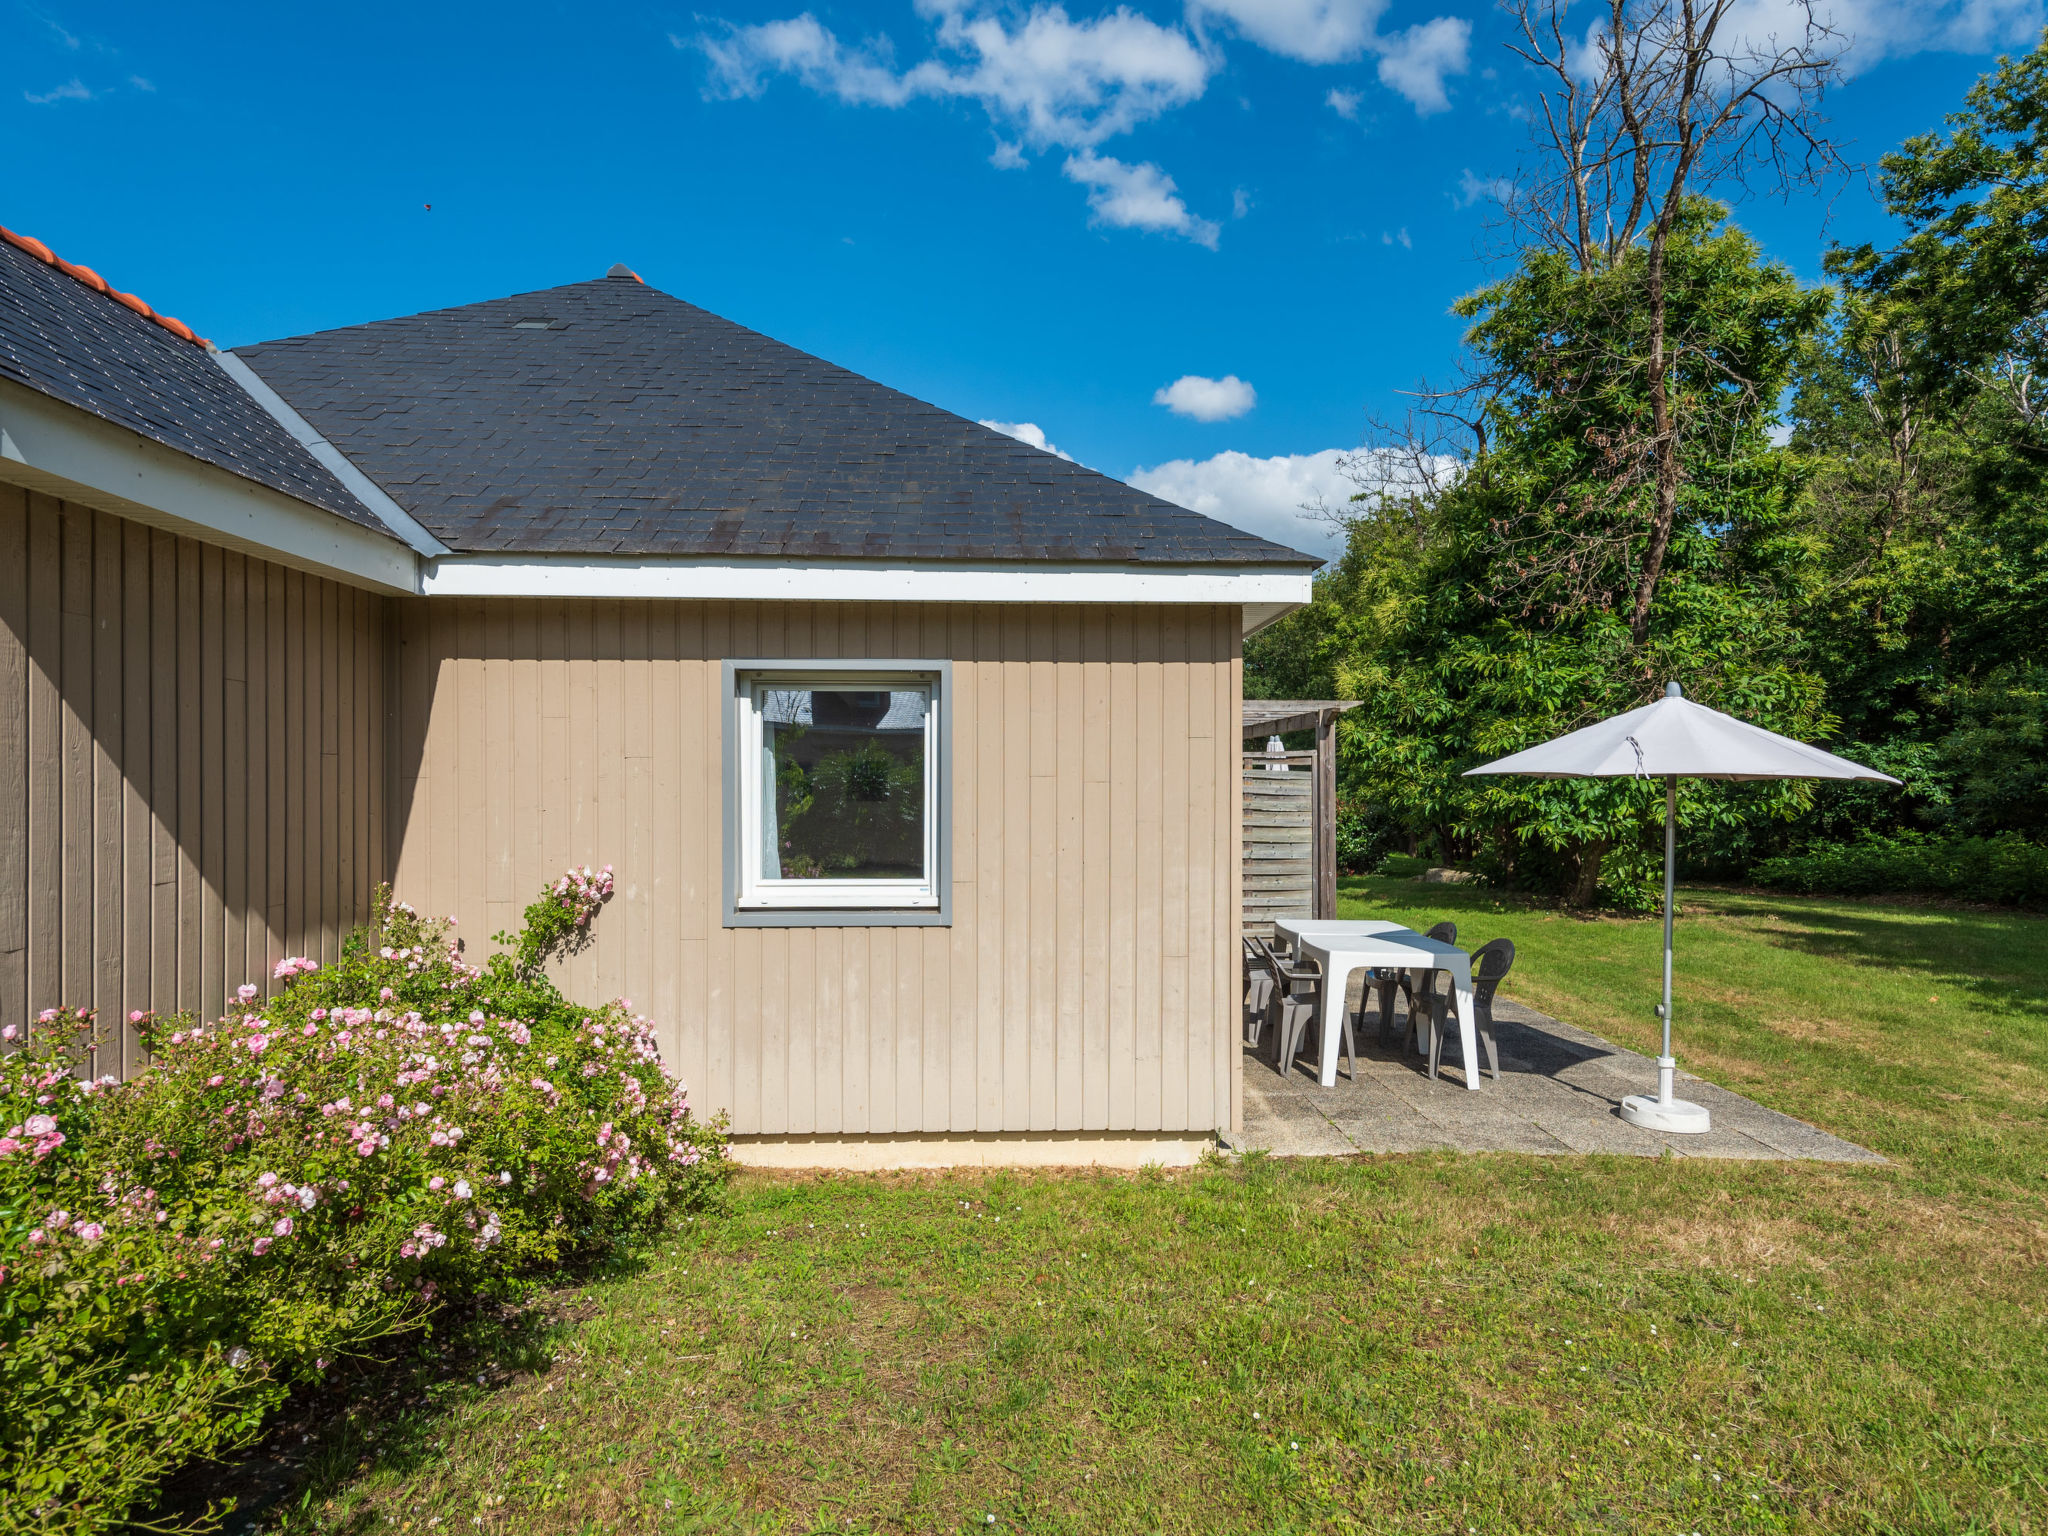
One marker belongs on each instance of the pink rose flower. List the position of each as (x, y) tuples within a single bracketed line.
[(261, 1245)]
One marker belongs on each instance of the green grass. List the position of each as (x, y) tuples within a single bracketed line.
[(1434, 1343), (1919, 1031)]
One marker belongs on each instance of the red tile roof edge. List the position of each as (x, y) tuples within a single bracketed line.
[(92, 279)]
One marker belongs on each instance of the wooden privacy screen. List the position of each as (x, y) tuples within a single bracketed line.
[(1279, 839)]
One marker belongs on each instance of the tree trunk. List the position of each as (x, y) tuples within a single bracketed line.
[(1664, 514), (1586, 883)]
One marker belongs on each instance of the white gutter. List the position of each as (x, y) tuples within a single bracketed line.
[(1263, 593), (361, 486)]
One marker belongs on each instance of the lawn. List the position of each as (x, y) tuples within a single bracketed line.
[(1433, 1343)]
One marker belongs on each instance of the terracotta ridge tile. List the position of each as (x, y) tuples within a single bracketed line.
[(98, 284)]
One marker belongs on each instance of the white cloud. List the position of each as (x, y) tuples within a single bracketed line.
[(1413, 63), (64, 38), (71, 90), (1027, 432), (1045, 80), (1240, 203), (1313, 31), (1064, 82), (1397, 237), (1137, 197), (1299, 499), (1882, 29), (1482, 189), (1207, 399), (1276, 498), (1344, 103), (742, 61), (1873, 30), (1051, 80)]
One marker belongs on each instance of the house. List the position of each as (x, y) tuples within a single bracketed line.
[(916, 748)]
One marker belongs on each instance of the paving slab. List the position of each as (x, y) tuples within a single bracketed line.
[(1559, 1093)]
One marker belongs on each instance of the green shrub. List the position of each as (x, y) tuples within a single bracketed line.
[(297, 1181), (2007, 870), (1366, 834)]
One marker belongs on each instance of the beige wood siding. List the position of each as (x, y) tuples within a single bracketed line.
[(192, 765), (1089, 978)]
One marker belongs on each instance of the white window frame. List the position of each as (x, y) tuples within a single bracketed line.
[(754, 900)]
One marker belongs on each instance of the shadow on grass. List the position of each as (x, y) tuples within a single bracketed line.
[(382, 1415), (1998, 957)]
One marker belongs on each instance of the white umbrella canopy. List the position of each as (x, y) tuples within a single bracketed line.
[(1671, 739), (1676, 737)]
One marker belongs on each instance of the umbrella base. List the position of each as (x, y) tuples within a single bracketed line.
[(1666, 1114)]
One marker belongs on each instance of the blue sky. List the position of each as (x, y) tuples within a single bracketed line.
[(968, 202)]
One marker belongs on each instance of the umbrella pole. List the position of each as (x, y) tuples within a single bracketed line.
[(1667, 1112), (1665, 1063)]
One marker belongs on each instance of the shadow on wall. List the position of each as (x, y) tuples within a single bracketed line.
[(192, 764)]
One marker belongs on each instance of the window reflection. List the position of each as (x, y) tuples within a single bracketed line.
[(843, 769)]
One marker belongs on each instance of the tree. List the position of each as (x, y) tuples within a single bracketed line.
[(1930, 506), (1482, 611), (1657, 102)]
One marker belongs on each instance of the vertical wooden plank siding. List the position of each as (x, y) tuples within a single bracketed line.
[(14, 753), (149, 688), (1087, 982), (208, 762)]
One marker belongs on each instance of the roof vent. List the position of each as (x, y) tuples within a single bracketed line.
[(620, 269)]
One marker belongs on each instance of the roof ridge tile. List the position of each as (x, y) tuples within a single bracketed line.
[(98, 284)]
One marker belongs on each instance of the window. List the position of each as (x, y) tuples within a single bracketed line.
[(835, 793)]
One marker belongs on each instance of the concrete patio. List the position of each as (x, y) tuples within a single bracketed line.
[(1560, 1091)]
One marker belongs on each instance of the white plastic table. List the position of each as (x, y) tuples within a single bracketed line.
[(1369, 943)]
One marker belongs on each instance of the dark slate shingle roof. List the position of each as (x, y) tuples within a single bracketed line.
[(78, 345), (620, 420)]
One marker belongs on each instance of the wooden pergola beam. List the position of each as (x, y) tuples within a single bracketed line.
[(1277, 717)]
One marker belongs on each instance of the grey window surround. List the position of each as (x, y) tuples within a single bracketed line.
[(939, 675)]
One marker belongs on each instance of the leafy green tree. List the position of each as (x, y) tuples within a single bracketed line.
[(1923, 415), (1490, 609)]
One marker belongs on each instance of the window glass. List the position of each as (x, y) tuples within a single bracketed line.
[(842, 787)]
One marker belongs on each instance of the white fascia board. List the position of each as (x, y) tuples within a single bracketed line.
[(66, 452), (1263, 593), (337, 463)]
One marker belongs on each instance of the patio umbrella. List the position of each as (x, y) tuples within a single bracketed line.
[(1671, 739)]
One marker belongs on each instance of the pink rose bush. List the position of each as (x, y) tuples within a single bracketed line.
[(583, 892), (296, 1181)]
